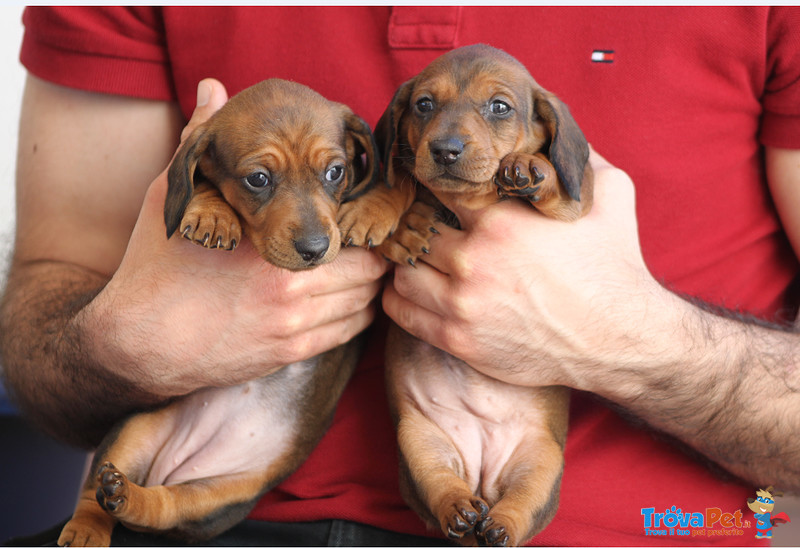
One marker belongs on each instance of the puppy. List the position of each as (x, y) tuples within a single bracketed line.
[(481, 459), (274, 164)]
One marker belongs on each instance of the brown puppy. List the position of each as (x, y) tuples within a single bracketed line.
[(274, 163), (481, 459)]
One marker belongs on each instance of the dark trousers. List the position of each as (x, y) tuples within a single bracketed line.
[(261, 533)]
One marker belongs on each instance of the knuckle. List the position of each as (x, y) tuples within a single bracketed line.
[(454, 340), (462, 306), (461, 264)]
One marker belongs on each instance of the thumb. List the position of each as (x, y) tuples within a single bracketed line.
[(211, 95)]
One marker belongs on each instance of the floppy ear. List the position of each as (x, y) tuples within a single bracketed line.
[(569, 150), (180, 177), (386, 130), (360, 140)]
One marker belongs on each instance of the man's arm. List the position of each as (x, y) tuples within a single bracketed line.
[(83, 165), (102, 314), (589, 315)]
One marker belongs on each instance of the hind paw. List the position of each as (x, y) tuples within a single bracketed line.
[(491, 533), (113, 490), (461, 517)]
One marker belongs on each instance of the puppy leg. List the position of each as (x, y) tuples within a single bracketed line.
[(209, 220), (533, 178), (435, 470), (198, 509), (529, 486)]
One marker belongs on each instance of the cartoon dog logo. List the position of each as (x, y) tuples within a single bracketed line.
[(762, 508)]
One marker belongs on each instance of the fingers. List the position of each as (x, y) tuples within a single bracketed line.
[(613, 188), (352, 267), (211, 95), (316, 340)]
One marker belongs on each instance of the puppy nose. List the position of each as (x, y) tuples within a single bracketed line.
[(446, 151), (312, 248)]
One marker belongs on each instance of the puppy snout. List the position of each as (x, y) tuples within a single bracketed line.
[(312, 248), (446, 151)]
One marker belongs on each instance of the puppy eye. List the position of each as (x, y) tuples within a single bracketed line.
[(499, 108), (334, 174), (424, 105), (257, 179)]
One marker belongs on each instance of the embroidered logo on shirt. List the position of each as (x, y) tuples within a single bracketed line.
[(603, 56)]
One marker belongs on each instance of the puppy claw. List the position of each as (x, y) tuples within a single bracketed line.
[(521, 179), (538, 176), (412, 262)]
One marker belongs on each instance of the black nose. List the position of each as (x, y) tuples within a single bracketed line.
[(312, 248), (446, 151)]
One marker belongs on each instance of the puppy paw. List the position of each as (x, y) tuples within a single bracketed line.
[(214, 225), (81, 532), (493, 533), (412, 237), (459, 518), (113, 490), (528, 176), (365, 222)]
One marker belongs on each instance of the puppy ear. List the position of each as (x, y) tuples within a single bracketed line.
[(569, 150), (180, 177), (386, 131), (360, 141)]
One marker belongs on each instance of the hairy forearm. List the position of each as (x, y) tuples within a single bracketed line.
[(727, 386), (44, 336)]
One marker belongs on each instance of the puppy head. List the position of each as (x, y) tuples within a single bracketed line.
[(453, 123), (284, 158)]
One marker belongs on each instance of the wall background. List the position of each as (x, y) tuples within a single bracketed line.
[(13, 78)]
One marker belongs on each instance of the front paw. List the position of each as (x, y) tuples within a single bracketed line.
[(412, 237), (215, 226), (365, 222), (528, 176)]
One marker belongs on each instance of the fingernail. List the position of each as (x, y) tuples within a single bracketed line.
[(203, 93)]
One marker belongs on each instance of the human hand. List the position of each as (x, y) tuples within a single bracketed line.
[(528, 299), (176, 317)]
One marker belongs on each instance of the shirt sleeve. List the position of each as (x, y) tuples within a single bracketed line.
[(780, 125), (117, 50)]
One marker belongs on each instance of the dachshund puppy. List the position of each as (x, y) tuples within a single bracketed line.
[(481, 459), (274, 164)]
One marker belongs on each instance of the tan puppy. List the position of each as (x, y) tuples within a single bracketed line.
[(274, 163), (481, 459)]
